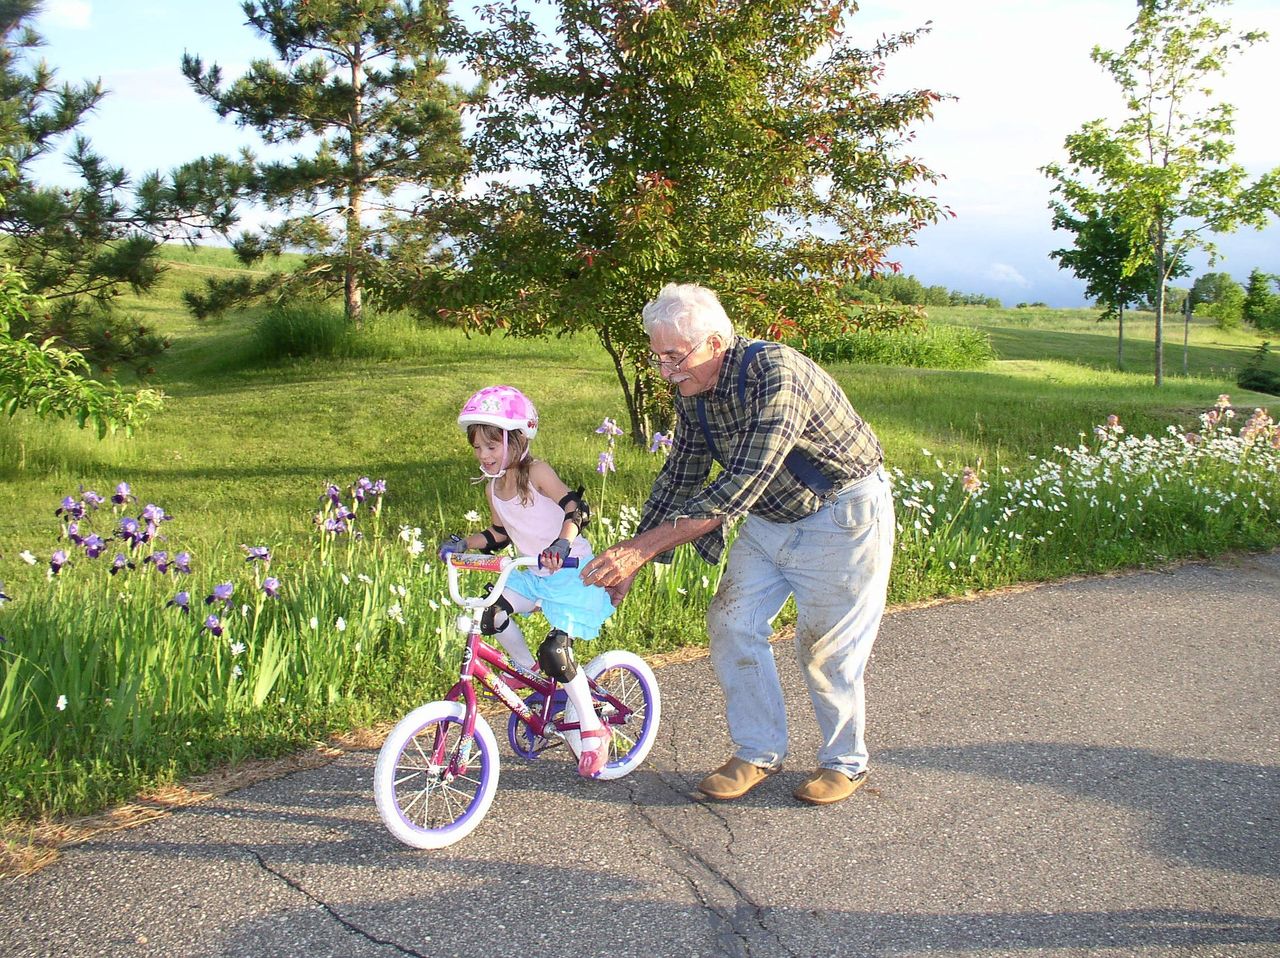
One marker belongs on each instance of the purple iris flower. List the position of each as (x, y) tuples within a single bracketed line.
[(334, 494), (271, 586), (181, 601), (182, 562), (130, 531), (659, 442), (362, 487), (160, 560), (214, 625), (120, 563), (379, 487), (257, 554), (123, 494), (154, 515), (609, 428), (73, 533), (343, 513), (57, 561), (71, 507), (91, 498), (336, 526), (94, 545), (606, 463), (221, 593)]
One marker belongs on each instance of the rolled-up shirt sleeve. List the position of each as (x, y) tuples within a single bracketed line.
[(686, 470)]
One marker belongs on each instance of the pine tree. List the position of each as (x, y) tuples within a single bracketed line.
[(357, 85), (79, 248)]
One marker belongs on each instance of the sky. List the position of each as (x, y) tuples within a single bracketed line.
[(1019, 72)]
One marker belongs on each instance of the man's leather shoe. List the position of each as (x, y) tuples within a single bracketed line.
[(827, 785), (733, 779)]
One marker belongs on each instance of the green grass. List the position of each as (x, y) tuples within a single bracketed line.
[(244, 448), (1076, 336)]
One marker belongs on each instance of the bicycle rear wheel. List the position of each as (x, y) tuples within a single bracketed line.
[(627, 678), (420, 801)]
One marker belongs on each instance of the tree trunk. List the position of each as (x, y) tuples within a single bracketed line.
[(352, 291), (1186, 336), (1160, 305), (1120, 342), (633, 392)]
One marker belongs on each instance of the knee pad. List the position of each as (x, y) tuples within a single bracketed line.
[(495, 618), (555, 656)]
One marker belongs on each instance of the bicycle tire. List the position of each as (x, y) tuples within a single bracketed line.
[(628, 678), (416, 804)]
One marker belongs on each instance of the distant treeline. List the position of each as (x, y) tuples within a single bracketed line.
[(909, 291)]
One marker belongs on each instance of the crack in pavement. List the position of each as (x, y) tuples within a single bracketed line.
[(738, 925), (331, 911)]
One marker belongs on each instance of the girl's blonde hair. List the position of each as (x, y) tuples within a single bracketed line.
[(517, 454)]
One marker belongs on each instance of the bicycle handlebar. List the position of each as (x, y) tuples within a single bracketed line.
[(480, 562)]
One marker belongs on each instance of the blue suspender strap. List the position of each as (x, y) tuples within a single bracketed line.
[(800, 465)]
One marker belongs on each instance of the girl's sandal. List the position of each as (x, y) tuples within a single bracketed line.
[(593, 759)]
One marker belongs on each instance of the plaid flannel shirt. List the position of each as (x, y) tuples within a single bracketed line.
[(790, 402)]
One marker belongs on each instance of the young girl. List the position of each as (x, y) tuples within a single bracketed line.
[(533, 509)]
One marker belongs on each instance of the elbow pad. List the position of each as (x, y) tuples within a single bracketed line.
[(495, 539), (576, 509)]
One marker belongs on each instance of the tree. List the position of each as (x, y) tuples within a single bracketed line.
[(1163, 172), (79, 248), (1226, 308), (51, 381), (360, 84), (1099, 258), (1261, 304), (701, 140), (1211, 288)]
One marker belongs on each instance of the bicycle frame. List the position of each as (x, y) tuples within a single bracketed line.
[(484, 663)]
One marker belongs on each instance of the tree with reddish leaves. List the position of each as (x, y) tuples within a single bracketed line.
[(742, 145)]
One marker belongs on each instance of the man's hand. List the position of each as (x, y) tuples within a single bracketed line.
[(619, 592), (611, 568)]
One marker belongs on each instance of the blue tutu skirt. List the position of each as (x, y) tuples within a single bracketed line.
[(564, 599)]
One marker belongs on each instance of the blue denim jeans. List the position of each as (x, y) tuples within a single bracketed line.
[(836, 563)]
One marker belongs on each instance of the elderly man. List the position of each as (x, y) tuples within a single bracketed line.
[(805, 471)]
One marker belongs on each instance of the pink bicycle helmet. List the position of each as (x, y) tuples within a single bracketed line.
[(503, 406)]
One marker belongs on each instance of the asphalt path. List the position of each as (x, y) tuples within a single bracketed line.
[(1085, 768)]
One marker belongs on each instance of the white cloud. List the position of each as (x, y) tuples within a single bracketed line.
[(1006, 274), (70, 14)]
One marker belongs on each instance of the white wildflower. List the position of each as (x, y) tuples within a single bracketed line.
[(62, 703)]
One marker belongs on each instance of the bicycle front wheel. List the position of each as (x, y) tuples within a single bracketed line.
[(431, 787), (628, 679)]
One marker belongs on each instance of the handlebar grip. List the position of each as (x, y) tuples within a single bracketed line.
[(570, 562)]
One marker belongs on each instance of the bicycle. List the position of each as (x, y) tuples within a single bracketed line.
[(438, 769)]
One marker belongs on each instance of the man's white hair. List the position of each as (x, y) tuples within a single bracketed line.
[(692, 311)]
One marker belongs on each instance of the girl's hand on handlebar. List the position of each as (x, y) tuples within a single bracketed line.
[(553, 556), (455, 543)]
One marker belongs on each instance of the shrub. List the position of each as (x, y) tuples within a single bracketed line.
[(302, 329), (1256, 376), (939, 347)]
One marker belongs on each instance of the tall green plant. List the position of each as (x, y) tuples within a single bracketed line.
[(1163, 174), (699, 140)]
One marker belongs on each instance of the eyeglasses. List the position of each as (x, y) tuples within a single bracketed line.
[(674, 364)]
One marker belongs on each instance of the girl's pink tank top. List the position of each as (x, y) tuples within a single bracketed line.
[(535, 526)]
